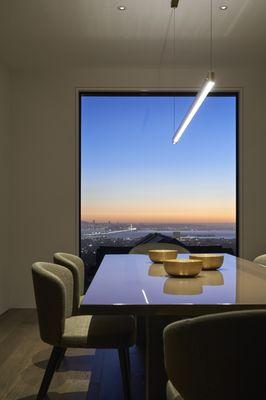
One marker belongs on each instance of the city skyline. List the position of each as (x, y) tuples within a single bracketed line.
[(131, 172)]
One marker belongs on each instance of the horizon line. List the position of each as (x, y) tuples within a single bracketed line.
[(158, 222)]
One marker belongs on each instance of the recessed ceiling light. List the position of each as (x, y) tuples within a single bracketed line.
[(223, 8), (121, 8)]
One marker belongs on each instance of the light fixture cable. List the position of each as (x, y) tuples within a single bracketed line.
[(164, 47), (174, 61), (211, 38), (202, 94)]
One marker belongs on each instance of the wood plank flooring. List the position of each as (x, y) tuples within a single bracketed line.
[(83, 375)]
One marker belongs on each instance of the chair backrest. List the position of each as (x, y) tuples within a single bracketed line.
[(53, 288), (76, 266), (145, 247), (261, 260), (219, 356)]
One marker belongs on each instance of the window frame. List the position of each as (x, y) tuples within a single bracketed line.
[(162, 93)]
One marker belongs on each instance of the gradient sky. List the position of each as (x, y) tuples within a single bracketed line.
[(131, 171)]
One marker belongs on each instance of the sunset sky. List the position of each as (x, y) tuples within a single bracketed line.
[(131, 171)]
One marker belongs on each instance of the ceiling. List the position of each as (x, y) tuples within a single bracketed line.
[(93, 33)]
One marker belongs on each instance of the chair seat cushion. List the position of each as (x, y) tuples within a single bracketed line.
[(261, 260), (171, 392), (99, 331)]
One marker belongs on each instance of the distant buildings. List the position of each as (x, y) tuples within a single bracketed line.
[(94, 235), (177, 235)]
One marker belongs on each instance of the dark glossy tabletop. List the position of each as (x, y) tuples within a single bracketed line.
[(132, 283)]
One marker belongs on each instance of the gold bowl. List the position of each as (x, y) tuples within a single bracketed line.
[(159, 256), (183, 267), (209, 261), (182, 286)]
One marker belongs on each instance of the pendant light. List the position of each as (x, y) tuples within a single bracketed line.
[(207, 86)]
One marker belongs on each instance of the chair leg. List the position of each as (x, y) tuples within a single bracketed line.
[(60, 359), (124, 365), (49, 372)]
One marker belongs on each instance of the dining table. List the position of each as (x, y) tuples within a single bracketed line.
[(133, 284)]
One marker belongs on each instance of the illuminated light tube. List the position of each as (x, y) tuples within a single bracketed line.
[(201, 96), (145, 296)]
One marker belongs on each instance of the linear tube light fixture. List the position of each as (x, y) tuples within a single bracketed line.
[(201, 96)]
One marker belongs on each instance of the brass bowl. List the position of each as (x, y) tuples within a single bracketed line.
[(209, 261), (182, 286), (183, 267), (159, 256)]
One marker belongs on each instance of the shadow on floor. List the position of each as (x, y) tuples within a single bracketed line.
[(74, 363), (86, 376), (60, 396)]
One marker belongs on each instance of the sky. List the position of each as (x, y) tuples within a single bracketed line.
[(131, 171)]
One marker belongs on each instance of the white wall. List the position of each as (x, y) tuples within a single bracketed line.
[(5, 193), (44, 158)]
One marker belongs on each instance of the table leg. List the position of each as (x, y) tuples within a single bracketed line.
[(155, 373)]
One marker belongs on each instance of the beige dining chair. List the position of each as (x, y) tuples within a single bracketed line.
[(261, 260), (145, 247), (54, 288), (219, 356), (76, 265)]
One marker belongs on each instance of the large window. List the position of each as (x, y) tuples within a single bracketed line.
[(134, 181)]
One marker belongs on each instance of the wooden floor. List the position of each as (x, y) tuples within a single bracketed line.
[(84, 374)]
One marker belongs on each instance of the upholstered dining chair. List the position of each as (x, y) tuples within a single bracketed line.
[(53, 288), (145, 247), (219, 356), (76, 266), (261, 260)]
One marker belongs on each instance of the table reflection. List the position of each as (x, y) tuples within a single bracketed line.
[(183, 286), (211, 278), (157, 270)]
